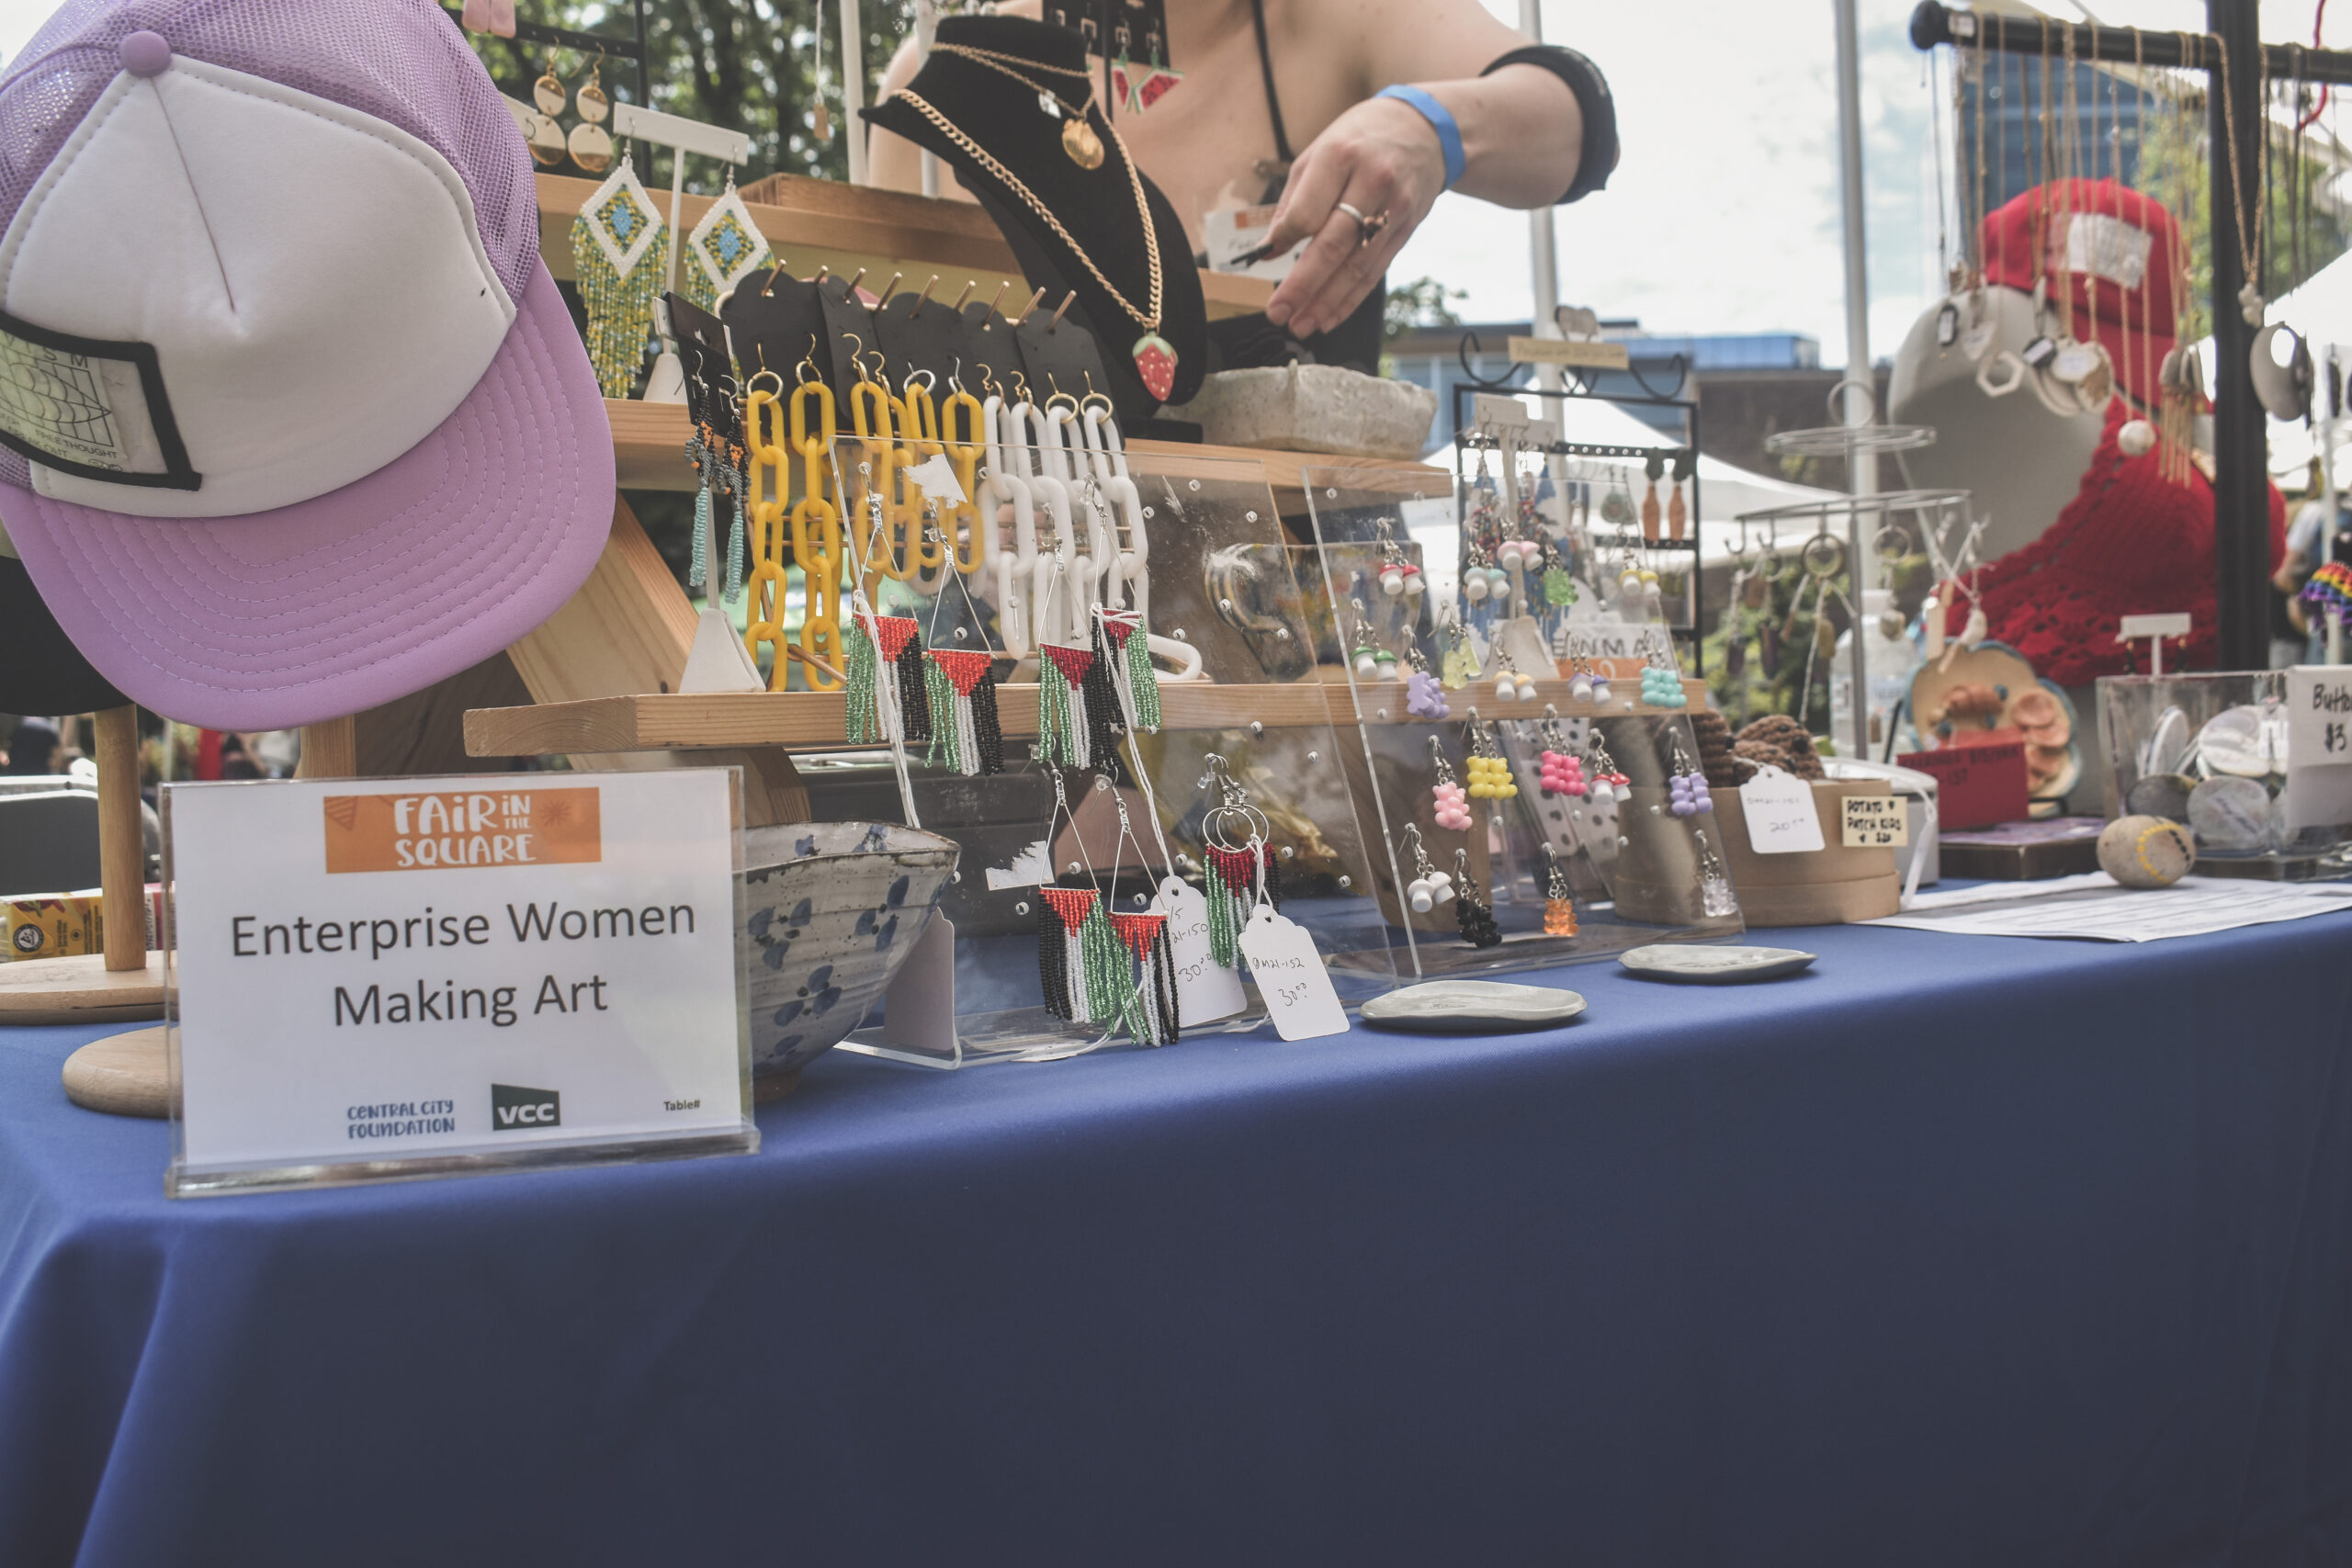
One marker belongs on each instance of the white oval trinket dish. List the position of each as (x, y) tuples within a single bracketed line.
[(1714, 965), (1472, 1007)]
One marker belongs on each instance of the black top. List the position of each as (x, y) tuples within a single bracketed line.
[(1245, 342)]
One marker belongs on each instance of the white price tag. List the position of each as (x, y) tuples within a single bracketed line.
[(1205, 989), (2319, 716), (1291, 977), (1875, 823), (379, 971), (1780, 817), (1233, 233)]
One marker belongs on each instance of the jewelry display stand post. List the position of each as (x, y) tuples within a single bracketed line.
[(681, 136), (854, 88), (2241, 483), (124, 983)]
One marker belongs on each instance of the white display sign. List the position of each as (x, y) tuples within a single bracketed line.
[(1780, 817), (2319, 747), (454, 973)]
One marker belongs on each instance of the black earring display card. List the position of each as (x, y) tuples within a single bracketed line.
[(849, 334), (703, 354), (1062, 358), (996, 352), (917, 334), (773, 319)]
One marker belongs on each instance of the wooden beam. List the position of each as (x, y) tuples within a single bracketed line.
[(815, 222), (814, 720)]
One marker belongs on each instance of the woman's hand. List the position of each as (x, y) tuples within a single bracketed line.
[(1381, 157)]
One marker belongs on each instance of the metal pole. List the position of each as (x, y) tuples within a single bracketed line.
[(927, 29), (1863, 467), (2240, 479), (853, 90), (1542, 249)]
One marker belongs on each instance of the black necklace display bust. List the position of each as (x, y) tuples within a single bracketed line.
[(1094, 217)]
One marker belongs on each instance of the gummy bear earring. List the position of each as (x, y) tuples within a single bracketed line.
[(1424, 696), (1559, 910), (1662, 684), (1452, 805), (1559, 769), (1490, 774), (1470, 912), (1685, 786)]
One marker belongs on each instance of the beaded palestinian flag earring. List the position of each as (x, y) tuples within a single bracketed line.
[(1241, 875)]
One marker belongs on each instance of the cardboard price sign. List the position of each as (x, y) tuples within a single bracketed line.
[(1875, 823), (2319, 716)]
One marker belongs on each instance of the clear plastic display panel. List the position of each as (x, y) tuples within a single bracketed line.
[(2211, 751), (1231, 643), (1635, 871)]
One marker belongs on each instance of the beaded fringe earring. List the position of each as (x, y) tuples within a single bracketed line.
[(965, 731), (891, 674), (1151, 1015), (1069, 727), (1080, 964), (725, 248), (1123, 646), (619, 250), (1470, 912)]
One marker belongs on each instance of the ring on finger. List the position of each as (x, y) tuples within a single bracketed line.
[(1364, 224)]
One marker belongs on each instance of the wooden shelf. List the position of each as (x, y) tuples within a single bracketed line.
[(648, 450), (814, 223), (813, 720)]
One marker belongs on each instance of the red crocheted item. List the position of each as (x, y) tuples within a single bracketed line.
[(2129, 544)]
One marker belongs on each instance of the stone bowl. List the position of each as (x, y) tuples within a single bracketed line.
[(830, 911)]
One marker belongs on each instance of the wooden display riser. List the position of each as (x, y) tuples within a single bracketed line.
[(812, 223), (649, 444), (80, 990), (813, 720)]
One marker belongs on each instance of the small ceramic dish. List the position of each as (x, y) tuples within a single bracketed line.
[(1472, 1007), (1698, 964)]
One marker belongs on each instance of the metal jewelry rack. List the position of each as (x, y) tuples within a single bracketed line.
[(2231, 54)]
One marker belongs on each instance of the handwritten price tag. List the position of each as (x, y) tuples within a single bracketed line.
[(1291, 979), (1780, 818), (1875, 823), (2319, 716), (1205, 988)]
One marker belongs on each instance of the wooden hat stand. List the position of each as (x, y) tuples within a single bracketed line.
[(130, 1074), (125, 983)]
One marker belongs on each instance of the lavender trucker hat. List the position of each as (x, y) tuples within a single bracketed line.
[(294, 420)]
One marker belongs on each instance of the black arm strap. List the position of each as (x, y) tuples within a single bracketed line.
[(1600, 110)]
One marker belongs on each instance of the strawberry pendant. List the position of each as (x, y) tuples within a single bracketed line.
[(1156, 363)]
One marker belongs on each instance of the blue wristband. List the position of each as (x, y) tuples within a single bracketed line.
[(1449, 135)]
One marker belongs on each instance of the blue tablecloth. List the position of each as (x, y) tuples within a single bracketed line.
[(1957, 1251)]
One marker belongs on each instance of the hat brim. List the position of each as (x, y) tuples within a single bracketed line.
[(336, 605)]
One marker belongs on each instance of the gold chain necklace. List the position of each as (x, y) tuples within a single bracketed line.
[(1085, 148), (1155, 357)]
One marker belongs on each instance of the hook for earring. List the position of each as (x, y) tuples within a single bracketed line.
[(924, 299), (1068, 301), (808, 370), (1030, 309)]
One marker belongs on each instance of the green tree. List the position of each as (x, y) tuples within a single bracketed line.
[(747, 65)]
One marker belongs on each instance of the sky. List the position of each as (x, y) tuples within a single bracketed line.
[(1724, 214)]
